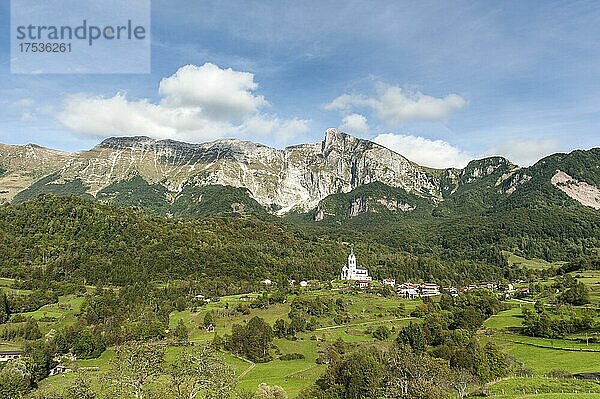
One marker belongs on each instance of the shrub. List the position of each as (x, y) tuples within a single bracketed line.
[(291, 356), (558, 373)]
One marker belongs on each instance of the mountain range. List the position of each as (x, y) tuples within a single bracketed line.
[(338, 178)]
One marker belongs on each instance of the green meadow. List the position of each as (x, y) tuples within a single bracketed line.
[(540, 356), (536, 264), (368, 311)]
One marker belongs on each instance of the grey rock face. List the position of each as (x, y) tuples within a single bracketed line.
[(295, 178)]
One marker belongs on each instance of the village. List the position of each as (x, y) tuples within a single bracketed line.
[(359, 274), (355, 277)]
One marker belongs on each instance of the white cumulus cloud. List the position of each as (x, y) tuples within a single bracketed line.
[(526, 151), (395, 105), (198, 103), (354, 123), (222, 94), (425, 152)]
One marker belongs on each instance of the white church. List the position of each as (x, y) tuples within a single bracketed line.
[(352, 272)]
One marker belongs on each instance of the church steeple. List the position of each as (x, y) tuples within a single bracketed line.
[(351, 271), (352, 259)]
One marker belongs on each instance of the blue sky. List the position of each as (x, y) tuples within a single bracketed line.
[(440, 82)]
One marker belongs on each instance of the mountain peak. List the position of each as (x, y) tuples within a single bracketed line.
[(335, 134), (121, 142), (494, 161), (336, 139), (332, 137)]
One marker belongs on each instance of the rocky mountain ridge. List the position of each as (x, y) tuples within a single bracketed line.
[(296, 178), (21, 166)]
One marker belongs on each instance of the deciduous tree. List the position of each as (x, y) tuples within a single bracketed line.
[(196, 374), (134, 366)]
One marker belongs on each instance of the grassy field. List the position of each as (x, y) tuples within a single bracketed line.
[(65, 312), (541, 354), (544, 360), (368, 311), (506, 319), (540, 387), (536, 264), (591, 278)]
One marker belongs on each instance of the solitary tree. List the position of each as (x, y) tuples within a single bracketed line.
[(270, 392), (415, 375), (208, 319), (15, 380), (134, 366), (461, 381), (180, 332), (201, 374)]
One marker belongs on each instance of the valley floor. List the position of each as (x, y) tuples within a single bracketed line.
[(543, 358)]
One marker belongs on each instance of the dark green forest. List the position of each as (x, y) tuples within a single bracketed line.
[(66, 238), (69, 238)]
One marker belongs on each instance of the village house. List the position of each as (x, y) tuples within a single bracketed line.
[(508, 291), (59, 369), (429, 289), (470, 287), (69, 357), (389, 281), (352, 272), (202, 298), (489, 286), (363, 283), (413, 291), (5, 356), (408, 290)]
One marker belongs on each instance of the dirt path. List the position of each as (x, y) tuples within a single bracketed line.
[(291, 375), (361, 324), (249, 369)]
